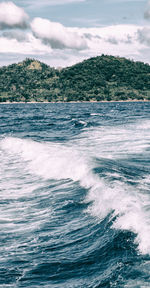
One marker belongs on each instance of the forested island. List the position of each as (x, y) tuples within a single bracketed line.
[(102, 78)]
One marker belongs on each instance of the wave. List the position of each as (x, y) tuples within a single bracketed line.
[(126, 203)]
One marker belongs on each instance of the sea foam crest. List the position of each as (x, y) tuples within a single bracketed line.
[(50, 161), (56, 161)]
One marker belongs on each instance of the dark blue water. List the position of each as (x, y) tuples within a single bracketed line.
[(75, 195)]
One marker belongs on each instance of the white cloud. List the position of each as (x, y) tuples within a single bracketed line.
[(63, 46), (58, 36), (144, 32), (116, 40), (12, 16), (27, 46), (144, 35), (15, 34), (147, 12)]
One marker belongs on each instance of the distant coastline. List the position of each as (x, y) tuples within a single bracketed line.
[(77, 102), (99, 79)]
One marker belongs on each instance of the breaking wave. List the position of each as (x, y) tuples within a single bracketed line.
[(99, 176)]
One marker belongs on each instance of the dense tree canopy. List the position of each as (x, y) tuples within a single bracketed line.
[(96, 79)]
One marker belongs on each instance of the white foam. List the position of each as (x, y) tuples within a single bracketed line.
[(116, 142), (75, 161), (50, 161), (95, 114)]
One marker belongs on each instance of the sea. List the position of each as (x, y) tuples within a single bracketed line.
[(75, 195)]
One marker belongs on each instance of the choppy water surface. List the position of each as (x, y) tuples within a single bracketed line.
[(75, 195)]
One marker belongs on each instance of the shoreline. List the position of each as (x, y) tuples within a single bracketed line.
[(75, 102)]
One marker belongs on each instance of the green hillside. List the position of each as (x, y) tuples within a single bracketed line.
[(96, 79)]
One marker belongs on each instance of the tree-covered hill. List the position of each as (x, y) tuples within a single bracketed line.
[(96, 79), (26, 81)]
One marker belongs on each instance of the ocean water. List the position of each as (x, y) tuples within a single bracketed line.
[(75, 195)]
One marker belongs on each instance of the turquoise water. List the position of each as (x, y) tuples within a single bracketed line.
[(75, 195)]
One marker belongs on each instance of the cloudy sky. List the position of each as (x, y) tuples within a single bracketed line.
[(64, 32)]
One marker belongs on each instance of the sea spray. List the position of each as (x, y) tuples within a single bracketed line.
[(55, 161), (74, 195)]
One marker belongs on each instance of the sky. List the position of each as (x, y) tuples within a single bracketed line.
[(64, 32)]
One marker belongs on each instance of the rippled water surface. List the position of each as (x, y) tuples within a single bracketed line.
[(75, 195)]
